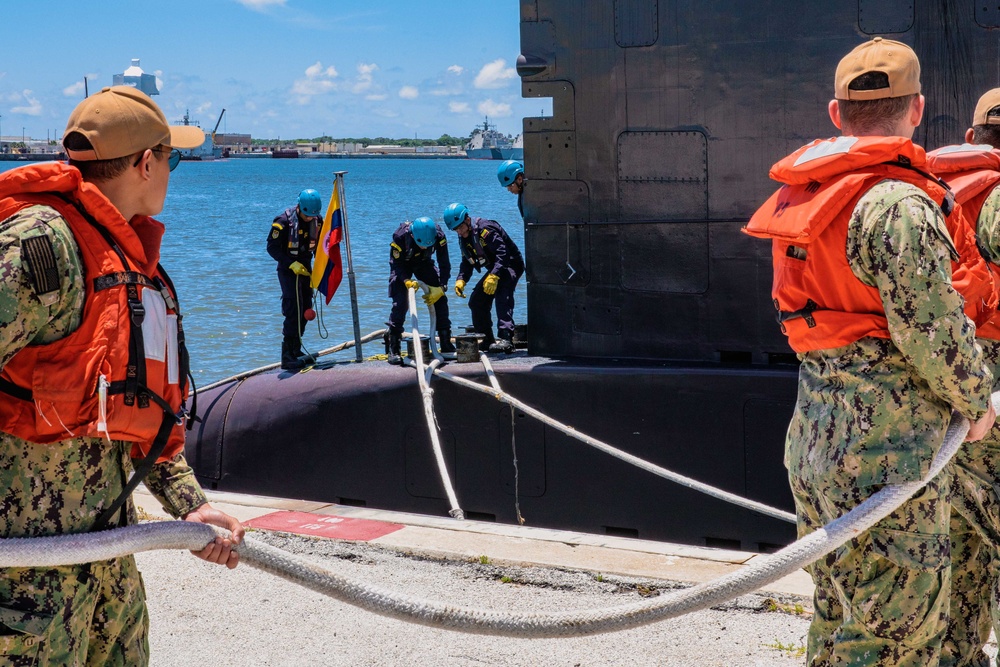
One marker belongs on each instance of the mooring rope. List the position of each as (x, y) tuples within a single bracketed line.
[(683, 480), (427, 395), (270, 367), (88, 547)]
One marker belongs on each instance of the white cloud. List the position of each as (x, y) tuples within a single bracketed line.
[(456, 69), (409, 92), (365, 75), (317, 71), (73, 91), (494, 74), (377, 97), (203, 108), (459, 107), (318, 80), (32, 106), (495, 109), (261, 5), (386, 113)]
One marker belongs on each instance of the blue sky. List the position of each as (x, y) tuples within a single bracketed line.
[(280, 68)]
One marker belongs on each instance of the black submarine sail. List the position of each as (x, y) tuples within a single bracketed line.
[(651, 325)]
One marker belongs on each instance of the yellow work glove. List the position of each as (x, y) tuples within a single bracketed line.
[(433, 295), (299, 269), (411, 284), (490, 283), (460, 288)]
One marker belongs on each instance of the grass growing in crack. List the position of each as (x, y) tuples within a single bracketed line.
[(791, 650), (772, 605), (505, 579), (143, 515), (483, 560)]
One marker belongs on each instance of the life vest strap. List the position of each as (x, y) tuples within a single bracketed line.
[(135, 372), (948, 203), (16, 391), (122, 278), (140, 471)]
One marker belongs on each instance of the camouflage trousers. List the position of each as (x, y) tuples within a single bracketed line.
[(93, 614), (975, 536), (882, 598)]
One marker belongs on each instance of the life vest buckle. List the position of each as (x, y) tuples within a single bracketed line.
[(138, 312), (805, 313)]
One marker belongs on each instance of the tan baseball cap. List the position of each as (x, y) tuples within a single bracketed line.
[(894, 59), (988, 102), (122, 120)]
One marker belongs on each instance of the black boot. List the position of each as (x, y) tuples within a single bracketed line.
[(304, 358), (487, 342), (393, 354), (444, 342), (503, 344), (289, 360)]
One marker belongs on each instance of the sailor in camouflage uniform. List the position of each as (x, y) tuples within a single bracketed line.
[(973, 172), (68, 478), (863, 287)]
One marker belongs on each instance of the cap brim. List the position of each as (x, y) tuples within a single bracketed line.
[(186, 136)]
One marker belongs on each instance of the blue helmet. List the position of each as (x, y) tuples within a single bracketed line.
[(309, 202), (424, 231), (508, 170), (455, 215)]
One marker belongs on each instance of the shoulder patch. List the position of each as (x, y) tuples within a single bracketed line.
[(443, 241), (484, 233), (396, 250), (39, 258), (275, 232)]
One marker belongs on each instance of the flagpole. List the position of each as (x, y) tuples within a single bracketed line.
[(339, 175)]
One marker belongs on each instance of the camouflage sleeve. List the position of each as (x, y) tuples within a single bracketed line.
[(898, 243), (41, 280), (174, 485), (988, 227)]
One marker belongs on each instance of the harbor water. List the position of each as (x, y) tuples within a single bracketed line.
[(218, 215)]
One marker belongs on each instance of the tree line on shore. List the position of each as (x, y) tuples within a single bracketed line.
[(443, 140)]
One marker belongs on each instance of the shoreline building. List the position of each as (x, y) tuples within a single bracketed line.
[(135, 77)]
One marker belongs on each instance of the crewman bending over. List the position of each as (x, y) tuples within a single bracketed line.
[(411, 255), (486, 245)]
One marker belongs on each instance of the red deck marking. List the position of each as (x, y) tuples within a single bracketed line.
[(323, 525)]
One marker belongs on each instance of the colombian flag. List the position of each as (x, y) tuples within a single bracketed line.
[(327, 270)]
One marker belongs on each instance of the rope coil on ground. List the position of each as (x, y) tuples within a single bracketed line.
[(89, 547)]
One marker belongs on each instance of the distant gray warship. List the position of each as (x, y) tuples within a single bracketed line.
[(488, 144)]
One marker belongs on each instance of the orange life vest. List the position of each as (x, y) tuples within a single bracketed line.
[(122, 373), (821, 303), (972, 172)]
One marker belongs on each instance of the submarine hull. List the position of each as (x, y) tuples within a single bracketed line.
[(356, 434)]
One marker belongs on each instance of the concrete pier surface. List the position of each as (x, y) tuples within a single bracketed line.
[(201, 613)]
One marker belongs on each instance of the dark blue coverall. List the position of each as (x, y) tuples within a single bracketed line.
[(406, 260), (488, 246), (292, 240)]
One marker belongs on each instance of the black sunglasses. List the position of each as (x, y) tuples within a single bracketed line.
[(172, 161)]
